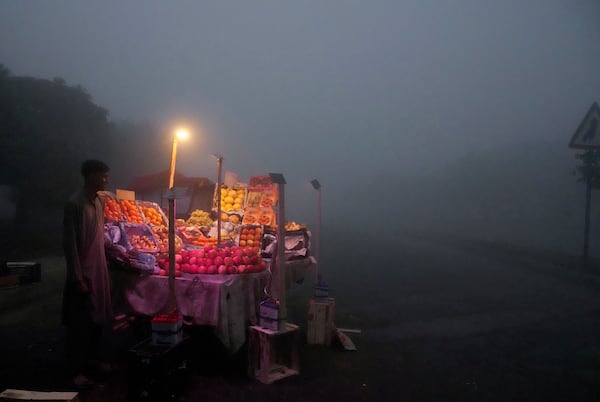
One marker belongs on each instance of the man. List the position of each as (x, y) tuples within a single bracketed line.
[(86, 298)]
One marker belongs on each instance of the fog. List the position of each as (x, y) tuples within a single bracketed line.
[(414, 115)]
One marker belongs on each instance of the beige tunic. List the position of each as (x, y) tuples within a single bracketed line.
[(83, 243)]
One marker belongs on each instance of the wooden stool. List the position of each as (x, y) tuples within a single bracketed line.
[(320, 326), (273, 355)]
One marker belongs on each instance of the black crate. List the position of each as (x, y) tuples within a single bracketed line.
[(26, 271), (155, 371)]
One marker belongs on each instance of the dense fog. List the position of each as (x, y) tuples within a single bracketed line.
[(416, 116)]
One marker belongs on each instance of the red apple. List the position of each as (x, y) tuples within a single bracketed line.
[(232, 269), (193, 269), (218, 260), (192, 260), (222, 269), (162, 272), (178, 257), (211, 269), (228, 261), (202, 269), (241, 269)]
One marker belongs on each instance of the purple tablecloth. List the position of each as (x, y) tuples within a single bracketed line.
[(229, 303)]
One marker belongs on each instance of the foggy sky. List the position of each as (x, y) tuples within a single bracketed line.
[(339, 90)]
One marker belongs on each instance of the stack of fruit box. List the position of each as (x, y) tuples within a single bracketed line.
[(167, 329)]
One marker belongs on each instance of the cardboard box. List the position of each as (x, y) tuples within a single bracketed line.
[(269, 309), (322, 290)]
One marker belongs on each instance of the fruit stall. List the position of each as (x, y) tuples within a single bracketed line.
[(216, 284)]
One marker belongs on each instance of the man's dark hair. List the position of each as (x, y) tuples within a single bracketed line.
[(92, 166)]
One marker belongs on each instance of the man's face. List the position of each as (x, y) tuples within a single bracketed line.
[(98, 181)]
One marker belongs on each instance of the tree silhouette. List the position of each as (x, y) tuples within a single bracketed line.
[(46, 129)]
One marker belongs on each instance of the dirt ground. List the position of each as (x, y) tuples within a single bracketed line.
[(442, 319)]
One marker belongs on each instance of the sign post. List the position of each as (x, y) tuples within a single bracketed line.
[(587, 137)]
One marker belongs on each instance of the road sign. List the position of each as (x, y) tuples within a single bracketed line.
[(587, 135)]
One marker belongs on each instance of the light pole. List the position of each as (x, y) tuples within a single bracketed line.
[(317, 186), (180, 134), (219, 174), (278, 179)]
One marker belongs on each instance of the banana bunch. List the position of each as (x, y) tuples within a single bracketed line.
[(199, 218)]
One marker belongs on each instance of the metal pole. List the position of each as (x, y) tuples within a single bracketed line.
[(318, 236), (172, 299), (281, 253), (219, 171), (586, 237)]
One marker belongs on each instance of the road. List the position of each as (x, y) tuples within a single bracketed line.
[(442, 319)]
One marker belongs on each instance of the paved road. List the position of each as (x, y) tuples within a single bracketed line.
[(442, 319)]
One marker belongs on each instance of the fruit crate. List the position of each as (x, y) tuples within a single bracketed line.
[(152, 213), (232, 199), (112, 208), (167, 329), (142, 232), (131, 211), (259, 216)]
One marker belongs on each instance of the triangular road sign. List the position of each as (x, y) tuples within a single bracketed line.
[(588, 133)]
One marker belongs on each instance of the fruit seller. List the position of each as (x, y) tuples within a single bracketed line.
[(86, 297)]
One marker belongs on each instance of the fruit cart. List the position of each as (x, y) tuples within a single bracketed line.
[(216, 285)]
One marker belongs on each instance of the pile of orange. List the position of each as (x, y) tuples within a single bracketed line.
[(152, 216), (131, 211), (112, 210), (204, 241), (250, 236)]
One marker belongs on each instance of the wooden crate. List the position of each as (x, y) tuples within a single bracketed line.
[(273, 355), (24, 395), (320, 326), (26, 271)]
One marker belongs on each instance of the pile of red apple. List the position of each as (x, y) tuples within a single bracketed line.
[(214, 260)]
